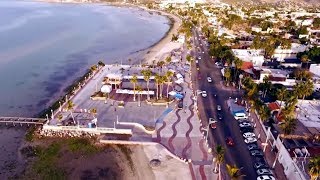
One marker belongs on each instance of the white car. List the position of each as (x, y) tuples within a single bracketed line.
[(261, 172), (250, 140), (209, 79), (202, 52), (204, 93), (197, 61), (245, 124), (199, 57), (265, 177), (218, 107), (249, 135)]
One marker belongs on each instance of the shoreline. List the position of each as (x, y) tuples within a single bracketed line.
[(149, 53)]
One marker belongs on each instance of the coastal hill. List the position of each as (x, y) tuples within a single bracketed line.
[(298, 2)]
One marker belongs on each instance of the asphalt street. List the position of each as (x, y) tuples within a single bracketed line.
[(227, 127)]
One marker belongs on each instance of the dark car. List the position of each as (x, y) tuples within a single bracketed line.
[(199, 76), (259, 159), (230, 141), (220, 116), (256, 152), (260, 165), (246, 129), (252, 147)]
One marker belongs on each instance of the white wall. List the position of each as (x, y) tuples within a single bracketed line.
[(291, 170), (315, 69)]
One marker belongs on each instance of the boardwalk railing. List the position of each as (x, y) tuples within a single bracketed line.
[(22, 120)]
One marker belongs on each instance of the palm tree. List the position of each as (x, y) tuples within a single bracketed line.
[(305, 59), (303, 89), (146, 76), (234, 172), (314, 167), (281, 94), (93, 111), (168, 59), (238, 64), (289, 125), (169, 74), (264, 113), (163, 79), (160, 64), (219, 157), (157, 79), (227, 75), (134, 81), (70, 106), (139, 90), (266, 85)]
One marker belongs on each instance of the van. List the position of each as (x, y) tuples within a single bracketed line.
[(238, 116)]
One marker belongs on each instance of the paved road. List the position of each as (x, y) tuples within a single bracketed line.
[(238, 154)]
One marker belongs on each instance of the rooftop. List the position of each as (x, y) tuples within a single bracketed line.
[(309, 114)]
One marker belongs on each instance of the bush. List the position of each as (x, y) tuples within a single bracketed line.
[(45, 165), (82, 145)]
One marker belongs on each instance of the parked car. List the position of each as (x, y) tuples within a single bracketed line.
[(212, 123), (245, 124), (218, 107), (252, 147), (229, 141), (199, 77), (260, 165), (256, 153), (219, 116), (246, 129), (209, 79), (263, 172), (265, 177), (204, 93), (199, 57), (248, 135), (250, 140)]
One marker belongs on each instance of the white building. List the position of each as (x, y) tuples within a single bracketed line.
[(254, 56), (291, 53)]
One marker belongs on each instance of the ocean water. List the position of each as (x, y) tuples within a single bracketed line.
[(45, 46)]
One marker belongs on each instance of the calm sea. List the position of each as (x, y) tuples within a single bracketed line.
[(46, 46)]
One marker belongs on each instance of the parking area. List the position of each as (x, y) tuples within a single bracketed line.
[(238, 110)]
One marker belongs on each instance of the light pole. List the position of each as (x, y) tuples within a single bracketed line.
[(240, 77)]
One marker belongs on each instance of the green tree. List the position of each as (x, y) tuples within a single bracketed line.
[(134, 81), (266, 85), (93, 111), (238, 64), (146, 76), (314, 167), (289, 125), (220, 151), (234, 172), (169, 75), (227, 75), (157, 79), (168, 59), (70, 106), (316, 23), (281, 95), (264, 113), (161, 64)]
